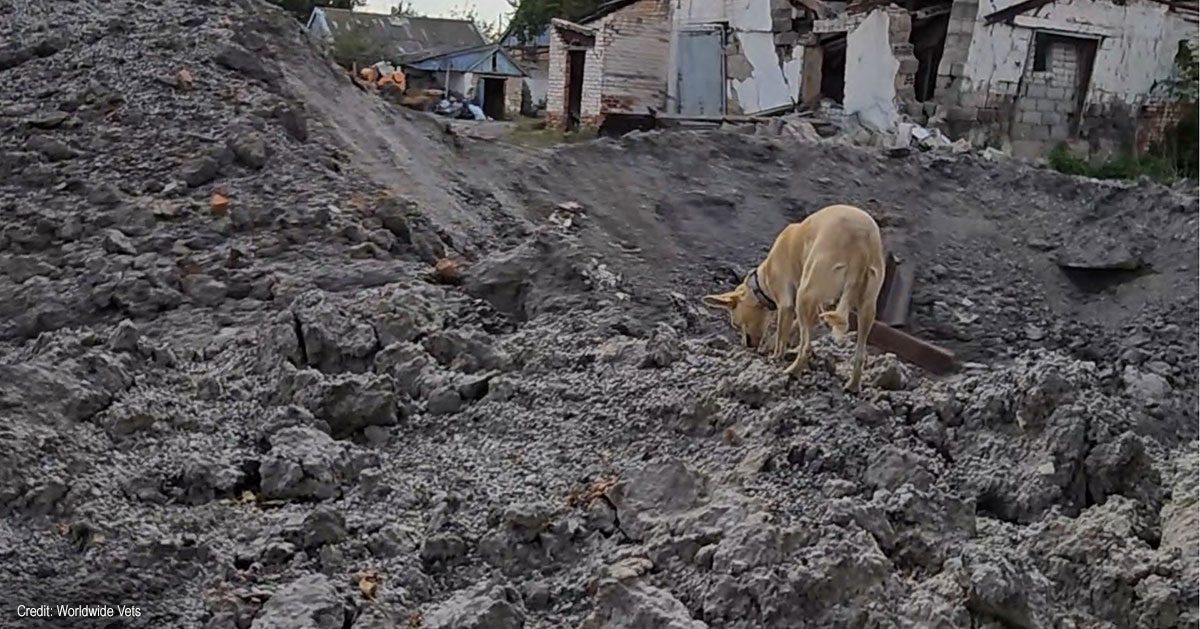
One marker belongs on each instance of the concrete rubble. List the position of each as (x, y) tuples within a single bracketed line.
[(287, 414)]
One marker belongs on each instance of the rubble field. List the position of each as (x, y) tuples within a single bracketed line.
[(235, 391)]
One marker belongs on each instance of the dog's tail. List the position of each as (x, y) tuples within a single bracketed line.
[(852, 287)]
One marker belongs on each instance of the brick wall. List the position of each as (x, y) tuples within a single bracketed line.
[(1045, 105), (512, 97), (556, 79), (624, 68), (634, 44)]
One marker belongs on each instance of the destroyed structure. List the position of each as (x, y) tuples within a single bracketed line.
[(446, 54), (1025, 75), (533, 55)]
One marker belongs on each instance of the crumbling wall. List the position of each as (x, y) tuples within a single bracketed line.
[(987, 84), (513, 90), (634, 43), (880, 68), (763, 61)]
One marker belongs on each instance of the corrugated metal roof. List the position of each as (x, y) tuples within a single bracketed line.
[(403, 35), (542, 40), (483, 60)]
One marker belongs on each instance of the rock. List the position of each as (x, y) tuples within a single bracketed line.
[(116, 242), (239, 59), (302, 463), (444, 401), (293, 121), (200, 170), (23, 268), (350, 402), (892, 467), (890, 374), (323, 525), (219, 204), (1148, 388), (636, 605), (484, 606), (310, 602), (442, 547), (663, 348), (447, 271), (205, 290), (54, 150), (333, 341), (124, 338), (250, 150), (48, 120)]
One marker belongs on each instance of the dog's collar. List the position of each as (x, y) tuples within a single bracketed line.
[(757, 289)]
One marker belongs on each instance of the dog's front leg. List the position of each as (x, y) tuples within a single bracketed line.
[(783, 331)]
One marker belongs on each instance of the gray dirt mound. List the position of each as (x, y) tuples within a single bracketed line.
[(258, 409)]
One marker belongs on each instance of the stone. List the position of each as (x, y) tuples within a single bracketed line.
[(53, 150), (1150, 389), (124, 338), (635, 605), (200, 170), (442, 547), (662, 348), (892, 467), (234, 57), (323, 525), (309, 602), (205, 290), (293, 121), (302, 463), (444, 401), (116, 242), (250, 150), (485, 606), (348, 402)]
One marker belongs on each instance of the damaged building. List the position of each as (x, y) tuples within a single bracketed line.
[(435, 53), (1025, 75), (533, 54)]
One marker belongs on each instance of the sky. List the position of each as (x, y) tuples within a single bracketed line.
[(487, 10)]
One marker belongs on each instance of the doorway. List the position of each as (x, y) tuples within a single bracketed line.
[(575, 62), (493, 98)]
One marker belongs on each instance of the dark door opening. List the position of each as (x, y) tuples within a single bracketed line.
[(493, 98), (928, 39), (575, 60), (833, 67)]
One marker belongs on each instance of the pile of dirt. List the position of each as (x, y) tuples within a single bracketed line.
[(234, 394)]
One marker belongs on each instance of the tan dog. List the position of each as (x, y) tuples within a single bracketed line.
[(834, 254)]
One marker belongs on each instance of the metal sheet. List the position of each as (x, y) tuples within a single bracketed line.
[(895, 296), (701, 72)]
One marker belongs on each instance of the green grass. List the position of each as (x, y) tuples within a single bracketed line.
[(532, 133), (1125, 166)]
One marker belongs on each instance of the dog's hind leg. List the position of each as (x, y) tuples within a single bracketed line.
[(839, 320), (807, 307), (868, 292)]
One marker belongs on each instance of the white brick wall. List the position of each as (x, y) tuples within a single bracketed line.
[(626, 68)]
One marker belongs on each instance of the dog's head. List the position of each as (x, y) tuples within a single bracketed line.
[(746, 314)]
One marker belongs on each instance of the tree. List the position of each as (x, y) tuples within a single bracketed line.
[(303, 8), (531, 17), (491, 31)]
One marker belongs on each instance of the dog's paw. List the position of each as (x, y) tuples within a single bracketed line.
[(836, 323)]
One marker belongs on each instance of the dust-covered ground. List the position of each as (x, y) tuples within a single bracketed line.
[(270, 415)]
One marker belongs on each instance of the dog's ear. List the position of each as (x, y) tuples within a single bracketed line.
[(727, 301)]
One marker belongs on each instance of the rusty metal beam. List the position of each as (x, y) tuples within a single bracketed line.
[(895, 296), (925, 355)]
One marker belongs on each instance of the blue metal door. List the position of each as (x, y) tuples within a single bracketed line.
[(700, 77)]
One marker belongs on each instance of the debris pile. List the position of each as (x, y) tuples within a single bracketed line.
[(271, 356)]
